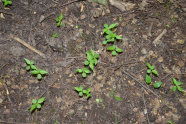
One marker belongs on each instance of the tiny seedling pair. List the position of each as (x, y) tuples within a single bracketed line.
[(7, 2), (92, 60), (55, 35), (114, 50), (81, 91), (176, 85), (36, 104), (34, 69), (116, 97), (151, 70), (59, 20)]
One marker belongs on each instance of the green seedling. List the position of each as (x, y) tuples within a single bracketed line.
[(168, 25), (76, 26), (30, 64), (55, 35), (92, 59), (81, 91), (99, 100), (157, 84), (108, 29), (84, 71), (151, 69), (39, 73), (114, 50), (59, 20), (36, 104), (111, 38), (177, 85), (7, 2), (116, 97), (170, 122)]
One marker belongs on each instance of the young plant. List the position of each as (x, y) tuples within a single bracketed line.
[(30, 64), (59, 20), (7, 2), (108, 29), (170, 122), (114, 50), (55, 35), (92, 59), (36, 104), (151, 69), (81, 91), (116, 97), (157, 84), (39, 73), (111, 38), (177, 85), (83, 71)]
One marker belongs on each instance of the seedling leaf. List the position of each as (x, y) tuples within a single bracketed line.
[(32, 107), (106, 25), (91, 66), (174, 88), (79, 89), (39, 77), (148, 65), (113, 25), (155, 72), (85, 91), (104, 42), (118, 98), (34, 101), (27, 68), (86, 63), (33, 67), (157, 84), (80, 93), (179, 88), (118, 37), (148, 79), (148, 71), (38, 106), (88, 96), (43, 72), (84, 75), (111, 48), (34, 72), (114, 53), (79, 70), (119, 50), (27, 61), (41, 100), (86, 70), (96, 56)]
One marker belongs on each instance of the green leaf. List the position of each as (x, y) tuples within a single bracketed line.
[(118, 98), (119, 50), (106, 25), (112, 93), (95, 61), (39, 76), (80, 93), (61, 17), (113, 25), (86, 63), (27, 61), (148, 79), (155, 72), (79, 89), (55, 35), (32, 108), (111, 48), (41, 100), (152, 67), (157, 84), (104, 42), (34, 72), (32, 62), (84, 75), (88, 96), (38, 106), (79, 70), (148, 65), (114, 53), (174, 88), (84, 91), (86, 70), (118, 37), (148, 71), (43, 72), (89, 57), (92, 52), (27, 67), (89, 89), (178, 83), (96, 56), (34, 101), (179, 88), (33, 67), (91, 66)]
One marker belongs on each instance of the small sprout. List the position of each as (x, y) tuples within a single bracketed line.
[(114, 50), (92, 59), (157, 84), (77, 26), (116, 97), (107, 29), (7, 2), (36, 104), (99, 100), (148, 79), (81, 91), (30, 65), (59, 20), (168, 25), (177, 85), (151, 68), (170, 122), (55, 35), (84, 71), (39, 73)]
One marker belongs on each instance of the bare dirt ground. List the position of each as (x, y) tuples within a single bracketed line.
[(33, 21)]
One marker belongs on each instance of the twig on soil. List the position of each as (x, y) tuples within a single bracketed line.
[(27, 45), (145, 106), (150, 29), (140, 83), (7, 91), (155, 42)]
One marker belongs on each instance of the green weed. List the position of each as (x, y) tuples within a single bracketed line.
[(84, 71), (81, 91), (36, 104), (59, 20), (55, 35), (177, 85), (114, 50), (7, 2), (170, 122), (30, 64), (116, 97)]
